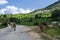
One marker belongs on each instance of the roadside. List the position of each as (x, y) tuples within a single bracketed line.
[(47, 35)]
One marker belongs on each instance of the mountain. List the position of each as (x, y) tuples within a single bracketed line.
[(53, 6)]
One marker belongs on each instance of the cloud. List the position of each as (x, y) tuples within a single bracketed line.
[(14, 10), (11, 9), (3, 1), (21, 10), (2, 11)]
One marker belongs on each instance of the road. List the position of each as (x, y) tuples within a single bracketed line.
[(19, 34)]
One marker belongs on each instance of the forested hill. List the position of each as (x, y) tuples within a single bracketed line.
[(54, 5)]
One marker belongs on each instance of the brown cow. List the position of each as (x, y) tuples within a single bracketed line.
[(13, 26), (42, 26)]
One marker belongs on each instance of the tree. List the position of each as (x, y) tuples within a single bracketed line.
[(37, 16), (5, 20), (4, 16), (55, 15), (12, 19)]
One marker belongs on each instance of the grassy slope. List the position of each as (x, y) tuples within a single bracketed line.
[(53, 31)]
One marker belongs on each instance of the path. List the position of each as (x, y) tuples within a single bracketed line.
[(19, 34)]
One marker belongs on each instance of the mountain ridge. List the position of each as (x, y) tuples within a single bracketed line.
[(53, 6)]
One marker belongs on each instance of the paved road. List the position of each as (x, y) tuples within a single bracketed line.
[(19, 34)]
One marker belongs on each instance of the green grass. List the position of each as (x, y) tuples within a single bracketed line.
[(27, 23), (53, 31)]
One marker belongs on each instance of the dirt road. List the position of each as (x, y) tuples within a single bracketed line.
[(19, 34)]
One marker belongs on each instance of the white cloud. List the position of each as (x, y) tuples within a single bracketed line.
[(14, 10), (2, 11), (3, 1), (21, 10), (11, 9)]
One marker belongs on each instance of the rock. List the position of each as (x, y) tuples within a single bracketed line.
[(55, 23)]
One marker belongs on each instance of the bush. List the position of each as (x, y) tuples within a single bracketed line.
[(1, 26), (5, 24), (55, 15), (36, 23)]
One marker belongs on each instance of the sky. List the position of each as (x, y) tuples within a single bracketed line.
[(23, 6)]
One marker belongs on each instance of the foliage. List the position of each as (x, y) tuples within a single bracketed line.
[(55, 15), (25, 19), (45, 14)]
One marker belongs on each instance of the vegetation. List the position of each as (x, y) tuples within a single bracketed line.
[(55, 15), (2, 26), (53, 31), (31, 19)]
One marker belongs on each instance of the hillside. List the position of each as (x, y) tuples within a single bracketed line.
[(55, 5)]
